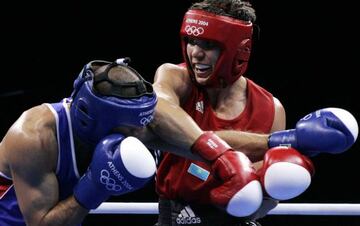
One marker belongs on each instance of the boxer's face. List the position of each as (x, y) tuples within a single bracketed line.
[(202, 55)]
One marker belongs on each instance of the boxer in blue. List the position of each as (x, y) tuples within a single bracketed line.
[(60, 160)]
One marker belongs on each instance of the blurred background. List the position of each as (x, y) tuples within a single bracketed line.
[(303, 53)]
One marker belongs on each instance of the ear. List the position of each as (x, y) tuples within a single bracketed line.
[(242, 57), (243, 51)]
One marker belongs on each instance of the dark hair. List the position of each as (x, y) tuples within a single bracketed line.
[(237, 9), (117, 75)]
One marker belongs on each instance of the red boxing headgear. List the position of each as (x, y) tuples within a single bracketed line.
[(232, 35)]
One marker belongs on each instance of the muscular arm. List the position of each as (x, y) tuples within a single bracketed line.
[(31, 152), (252, 144), (176, 127), (172, 124)]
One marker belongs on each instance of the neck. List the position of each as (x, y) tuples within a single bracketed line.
[(230, 101), (229, 93)]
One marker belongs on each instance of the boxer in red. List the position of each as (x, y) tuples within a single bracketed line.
[(223, 121)]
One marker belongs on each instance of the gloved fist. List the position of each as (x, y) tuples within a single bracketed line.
[(119, 165), (285, 173), (240, 193), (329, 130)]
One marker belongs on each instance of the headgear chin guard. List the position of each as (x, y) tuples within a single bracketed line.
[(94, 115), (232, 35)]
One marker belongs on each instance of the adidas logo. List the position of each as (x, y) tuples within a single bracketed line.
[(199, 106), (187, 216)]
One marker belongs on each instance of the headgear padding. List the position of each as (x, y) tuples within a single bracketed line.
[(94, 115), (233, 37)]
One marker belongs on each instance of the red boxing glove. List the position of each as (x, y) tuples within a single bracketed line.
[(285, 173), (240, 193)]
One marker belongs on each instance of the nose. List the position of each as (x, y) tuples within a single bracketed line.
[(197, 52)]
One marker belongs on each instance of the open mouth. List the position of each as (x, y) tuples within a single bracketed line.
[(202, 70)]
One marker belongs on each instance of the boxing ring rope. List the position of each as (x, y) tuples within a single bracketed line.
[(344, 209)]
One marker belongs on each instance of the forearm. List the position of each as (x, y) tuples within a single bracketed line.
[(252, 144), (174, 126), (67, 212)]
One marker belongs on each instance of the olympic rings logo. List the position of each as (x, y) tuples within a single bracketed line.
[(146, 120), (192, 30), (109, 183)]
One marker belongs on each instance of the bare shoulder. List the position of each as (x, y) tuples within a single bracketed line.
[(172, 77), (37, 121), (280, 116), (172, 74), (32, 138), (173, 70)]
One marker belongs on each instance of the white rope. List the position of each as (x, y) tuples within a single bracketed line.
[(127, 208), (345, 209), (316, 209)]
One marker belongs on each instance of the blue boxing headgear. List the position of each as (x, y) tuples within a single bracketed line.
[(95, 115)]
